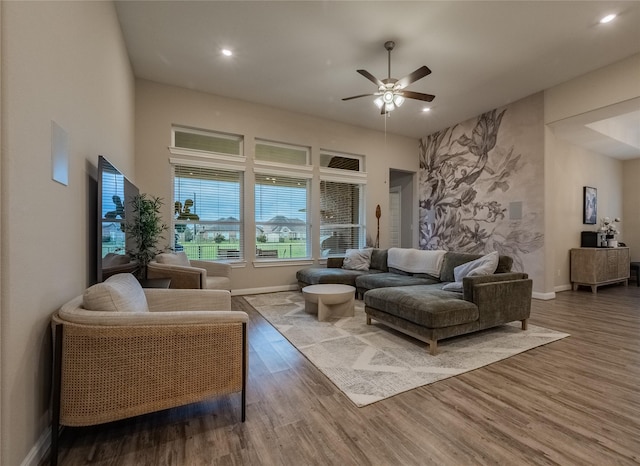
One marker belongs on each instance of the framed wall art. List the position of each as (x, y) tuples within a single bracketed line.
[(590, 205)]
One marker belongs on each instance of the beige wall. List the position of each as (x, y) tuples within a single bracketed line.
[(605, 86), (159, 106), (569, 168), (574, 168), (62, 61)]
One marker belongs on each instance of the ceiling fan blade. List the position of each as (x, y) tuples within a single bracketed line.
[(371, 77), (413, 77), (357, 96), (416, 95)]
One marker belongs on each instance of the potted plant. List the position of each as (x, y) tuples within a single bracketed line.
[(145, 230)]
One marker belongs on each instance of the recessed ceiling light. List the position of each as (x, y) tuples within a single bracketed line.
[(608, 18), (426, 109), (227, 52)]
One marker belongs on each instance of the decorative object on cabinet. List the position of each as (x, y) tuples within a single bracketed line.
[(590, 205), (595, 267), (608, 230)]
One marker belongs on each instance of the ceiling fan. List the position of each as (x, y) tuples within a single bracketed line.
[(391, 92)]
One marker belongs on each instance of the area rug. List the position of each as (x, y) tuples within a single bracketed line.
[(369, 363)]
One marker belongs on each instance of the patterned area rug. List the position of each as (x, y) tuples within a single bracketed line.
[(369, 363)]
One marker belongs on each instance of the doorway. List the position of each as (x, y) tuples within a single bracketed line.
[(402, 209)]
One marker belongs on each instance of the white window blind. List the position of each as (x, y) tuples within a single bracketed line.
[(281, 153), (282, 228), (209, 141), (207, 212), (341, 217), (341, 161)]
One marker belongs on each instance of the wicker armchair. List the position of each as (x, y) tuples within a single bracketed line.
[(127, 351), (185, 273)]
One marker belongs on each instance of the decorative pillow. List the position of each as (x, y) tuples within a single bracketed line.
[(453, 286), (357, 259), (169, 258), (118, 293), (486, 265)]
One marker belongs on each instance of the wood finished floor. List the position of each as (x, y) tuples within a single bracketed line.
[(572, 402)]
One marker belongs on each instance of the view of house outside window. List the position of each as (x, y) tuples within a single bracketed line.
[(281, 217), (207, 213)]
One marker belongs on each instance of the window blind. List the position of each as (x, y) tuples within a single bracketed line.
[(282, 228), (207, 212), (281, 153), (341, 227), (207, 141)]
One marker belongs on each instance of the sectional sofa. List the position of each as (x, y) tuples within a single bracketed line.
[(445, 299)]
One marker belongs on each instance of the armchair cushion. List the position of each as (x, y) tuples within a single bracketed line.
[(166, 307), (179, 258), (118, 293), (112, 259)]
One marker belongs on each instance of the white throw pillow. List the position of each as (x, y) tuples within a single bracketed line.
[(453, 286), (357, 259), (118, 293), (170, 258), (485, 265)]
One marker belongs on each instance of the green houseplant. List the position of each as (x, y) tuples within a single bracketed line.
[(145, 230)]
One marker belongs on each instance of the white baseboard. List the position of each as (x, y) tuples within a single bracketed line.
[(560, 288), (39, 450), (543, 296), (266, 289)]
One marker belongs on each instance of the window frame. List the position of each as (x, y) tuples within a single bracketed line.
[(289, 174), (347, 177), (241, 170), (282, 165), (204, 154), (360, 158)]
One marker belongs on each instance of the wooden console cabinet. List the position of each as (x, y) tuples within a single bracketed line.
[(599, 266)]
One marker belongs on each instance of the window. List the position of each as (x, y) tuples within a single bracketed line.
[(341, 217), (282, 228), (207, 141), (281, 153), (207, 212), (341, 161)]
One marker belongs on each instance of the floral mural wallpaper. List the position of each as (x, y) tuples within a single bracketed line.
[(481, 185)]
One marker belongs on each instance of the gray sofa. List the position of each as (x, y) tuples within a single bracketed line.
[(417, 305)]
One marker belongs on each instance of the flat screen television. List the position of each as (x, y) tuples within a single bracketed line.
[(115, 192)]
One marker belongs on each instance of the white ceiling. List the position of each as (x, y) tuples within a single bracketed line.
[(302, 56)]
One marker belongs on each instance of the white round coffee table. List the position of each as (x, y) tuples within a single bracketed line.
[(329, 300)]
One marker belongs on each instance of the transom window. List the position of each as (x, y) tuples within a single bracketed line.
[(341, 161), (267, 151), (208, 141)]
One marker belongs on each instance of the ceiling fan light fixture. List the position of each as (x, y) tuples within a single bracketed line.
[(391, 93), (398, 100)]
